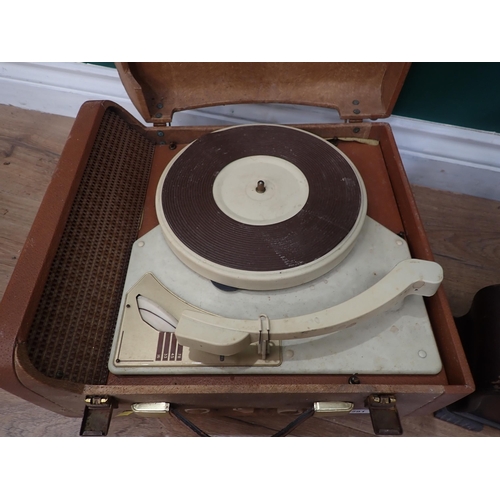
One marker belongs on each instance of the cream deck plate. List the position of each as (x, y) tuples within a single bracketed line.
[(395, 342)]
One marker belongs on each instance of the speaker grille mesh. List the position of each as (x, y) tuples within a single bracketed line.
[(71, 335)]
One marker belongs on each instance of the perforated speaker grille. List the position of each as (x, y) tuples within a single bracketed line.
[(71, 335)]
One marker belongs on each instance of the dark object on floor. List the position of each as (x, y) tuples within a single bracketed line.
[(479, 330)]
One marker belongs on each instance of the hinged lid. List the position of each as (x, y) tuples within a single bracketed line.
[(357, 90)]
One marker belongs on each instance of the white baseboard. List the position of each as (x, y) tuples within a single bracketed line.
[(435, 155), (59, 88)]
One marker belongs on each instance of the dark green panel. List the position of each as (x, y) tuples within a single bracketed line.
[(464, 94), (107, 64)]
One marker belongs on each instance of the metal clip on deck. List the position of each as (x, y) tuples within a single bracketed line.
[(263, 346)]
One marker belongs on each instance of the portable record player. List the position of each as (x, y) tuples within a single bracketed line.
[(232, 269)]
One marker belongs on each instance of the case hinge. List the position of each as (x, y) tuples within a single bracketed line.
[(384, 414), (97, 416)]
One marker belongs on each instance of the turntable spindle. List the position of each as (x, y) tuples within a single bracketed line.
[(261, 187)]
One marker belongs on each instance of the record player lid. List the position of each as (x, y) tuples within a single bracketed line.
[(357, 90)]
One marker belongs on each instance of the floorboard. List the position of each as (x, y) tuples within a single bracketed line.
[(464, 233)]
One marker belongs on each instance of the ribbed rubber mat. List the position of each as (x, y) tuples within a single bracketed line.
[(332, 208), (71, 335)]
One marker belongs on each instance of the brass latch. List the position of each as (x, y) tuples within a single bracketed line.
[(155, 409), (384, 414), (324, 409), (97, 416)]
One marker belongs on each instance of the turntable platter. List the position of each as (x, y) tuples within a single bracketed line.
[(261, 207)]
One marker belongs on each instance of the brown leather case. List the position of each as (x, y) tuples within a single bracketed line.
[(58, 314)]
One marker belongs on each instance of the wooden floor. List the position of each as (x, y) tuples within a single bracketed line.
[(464, 234)]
